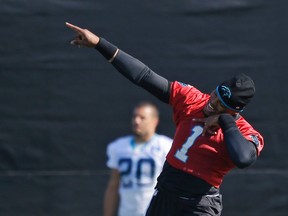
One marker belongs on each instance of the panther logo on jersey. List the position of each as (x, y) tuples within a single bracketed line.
[(255, 139), (183, 84)]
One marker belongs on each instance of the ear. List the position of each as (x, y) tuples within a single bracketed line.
[(156, 122)]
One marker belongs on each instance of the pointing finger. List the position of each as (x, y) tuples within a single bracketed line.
[(74, 28)]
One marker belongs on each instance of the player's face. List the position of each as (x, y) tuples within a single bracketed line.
[(144, 123), (214, 106)]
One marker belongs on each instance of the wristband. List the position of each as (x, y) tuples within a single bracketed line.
[(108, 50)]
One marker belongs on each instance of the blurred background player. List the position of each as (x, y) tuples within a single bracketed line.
[(135, 162)]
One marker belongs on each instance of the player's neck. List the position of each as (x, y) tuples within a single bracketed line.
[(142, 139)]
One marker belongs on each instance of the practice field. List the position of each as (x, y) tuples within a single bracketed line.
[(60, 106)]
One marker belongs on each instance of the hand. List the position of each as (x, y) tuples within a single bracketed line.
[(210, 124), (84, 37)]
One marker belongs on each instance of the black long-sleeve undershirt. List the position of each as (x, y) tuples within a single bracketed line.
[(242, 152)]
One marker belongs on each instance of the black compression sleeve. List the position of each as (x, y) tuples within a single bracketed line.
[(141, 75), (242, 152), (136, 71)]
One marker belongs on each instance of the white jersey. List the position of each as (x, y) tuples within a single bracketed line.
[(139, 166)]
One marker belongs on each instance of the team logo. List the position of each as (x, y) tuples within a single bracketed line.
[(255, 139), (225, 91), (183, 84)]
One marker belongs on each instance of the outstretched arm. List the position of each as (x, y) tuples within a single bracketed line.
[(130, 67)]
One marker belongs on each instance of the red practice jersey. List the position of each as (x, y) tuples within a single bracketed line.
[(205, 157)]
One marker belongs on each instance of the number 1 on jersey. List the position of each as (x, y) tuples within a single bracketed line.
[(181, 154)]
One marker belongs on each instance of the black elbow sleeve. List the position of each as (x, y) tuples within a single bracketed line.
[(156, 85)]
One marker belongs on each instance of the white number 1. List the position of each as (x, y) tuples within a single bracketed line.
[(181, 154)]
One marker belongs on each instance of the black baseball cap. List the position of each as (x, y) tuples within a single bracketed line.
[(236, 92)]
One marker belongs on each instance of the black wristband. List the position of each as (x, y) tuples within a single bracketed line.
[(226, 121), (106, 49)]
